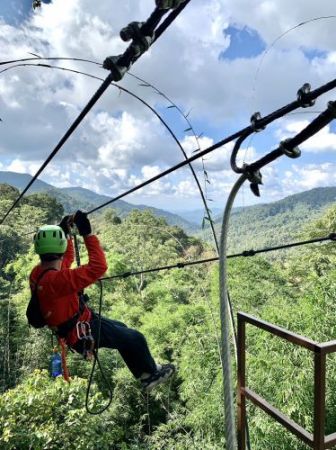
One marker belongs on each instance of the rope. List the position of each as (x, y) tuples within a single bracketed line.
[(262, 122), (126, 59), (97, 361), (95, 352), (66, 374)]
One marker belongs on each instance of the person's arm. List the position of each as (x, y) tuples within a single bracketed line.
[(57, 284), (69, 255)]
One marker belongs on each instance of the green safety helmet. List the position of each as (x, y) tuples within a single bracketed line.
[(50, 239)]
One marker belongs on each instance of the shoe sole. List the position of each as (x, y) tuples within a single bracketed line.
[(161, 380)]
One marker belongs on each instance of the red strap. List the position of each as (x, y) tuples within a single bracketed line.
[(66, 374)]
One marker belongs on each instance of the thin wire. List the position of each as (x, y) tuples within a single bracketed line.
[(153, 110), (96, 360), (190, 126), (61, 58), (256, 75)]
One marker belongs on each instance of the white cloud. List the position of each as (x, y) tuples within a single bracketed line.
[(120, 143), (323, 141), (311, 176)]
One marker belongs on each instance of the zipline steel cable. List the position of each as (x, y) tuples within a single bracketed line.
[(260, 123), (124, 62), (245, 254), (257, 124)]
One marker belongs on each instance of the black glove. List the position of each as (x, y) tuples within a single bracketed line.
[(65, 225), (82, 223)]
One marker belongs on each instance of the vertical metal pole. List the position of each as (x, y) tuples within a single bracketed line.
[(229, 407), (319, 399), (241, 401)]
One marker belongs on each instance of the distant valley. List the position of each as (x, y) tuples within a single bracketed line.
[(250, 227)]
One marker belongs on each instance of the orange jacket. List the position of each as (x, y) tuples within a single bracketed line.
[(58, 289)]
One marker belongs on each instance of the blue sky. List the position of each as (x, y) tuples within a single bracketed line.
[(15, 12), (217, 62), (244, 43)]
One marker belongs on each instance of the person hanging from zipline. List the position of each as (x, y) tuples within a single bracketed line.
[(58, 290)]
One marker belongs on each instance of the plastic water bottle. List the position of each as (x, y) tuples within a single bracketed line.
[(56, 364)]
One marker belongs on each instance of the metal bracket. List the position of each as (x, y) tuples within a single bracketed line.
[(255, 179), (168, 4), (255, 118), (293, 153), (118, 71), (332, 108), (302, 94)]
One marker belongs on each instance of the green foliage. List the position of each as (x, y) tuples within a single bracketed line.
[(266, 225), (178, 312), (44, 413)]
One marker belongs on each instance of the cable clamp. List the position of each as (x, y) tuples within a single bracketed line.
[(332, 236), (288, 150), (141, 42), (126, 274), (255, 179), (332, 108), (118, 71), (131, 31), (180, 265), (249, 252), (141, 45), (168, 4), (37, 4), (255, 118), (303, 96)]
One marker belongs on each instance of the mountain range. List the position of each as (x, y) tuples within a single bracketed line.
[(73, 198), (278, 222), (250, 227)]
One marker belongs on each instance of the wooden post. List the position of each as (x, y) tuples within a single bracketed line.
[(241, 401), (319, 399)]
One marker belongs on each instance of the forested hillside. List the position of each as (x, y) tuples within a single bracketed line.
[(278, 222), (73, 198), (178, 311)]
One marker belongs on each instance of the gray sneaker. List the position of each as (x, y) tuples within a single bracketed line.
[(160, 376)]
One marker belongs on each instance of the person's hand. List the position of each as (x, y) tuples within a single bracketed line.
[(65, 224), (82, 223)]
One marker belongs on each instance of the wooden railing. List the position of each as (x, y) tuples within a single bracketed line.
[(318, 440)]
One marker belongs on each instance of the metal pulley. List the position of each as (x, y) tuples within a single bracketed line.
[(168, 4)]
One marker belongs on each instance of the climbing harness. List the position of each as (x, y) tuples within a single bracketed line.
[(84, 335)]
